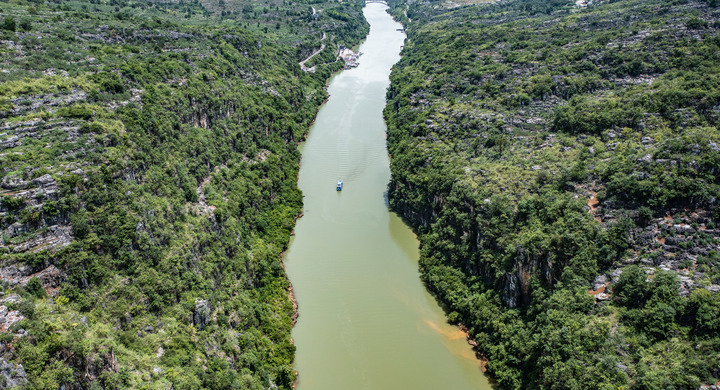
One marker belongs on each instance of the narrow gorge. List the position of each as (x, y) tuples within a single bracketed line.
[(365, 319)]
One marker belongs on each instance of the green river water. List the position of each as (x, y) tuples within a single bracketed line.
[(366, 321)]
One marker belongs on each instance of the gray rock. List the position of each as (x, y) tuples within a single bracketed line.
[(13, 376), (10, 299), (201, 315), (709, 387), (600, 281), (646, 159), (49, 277), (685, 229), (686, 281), (12, 182), (11, 318), (44, 181)]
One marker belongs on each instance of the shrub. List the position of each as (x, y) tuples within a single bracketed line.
[(25, 25), (27, 308), (8, 24), (34, 287), (12, 203), (695, 23), (632, 289), (644, 215)]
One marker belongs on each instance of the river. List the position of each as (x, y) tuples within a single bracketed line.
[(366, 321)]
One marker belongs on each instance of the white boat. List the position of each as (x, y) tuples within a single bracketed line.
[(339, 185)]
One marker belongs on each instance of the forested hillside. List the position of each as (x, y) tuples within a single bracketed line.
[(148, 163), (561, 164)]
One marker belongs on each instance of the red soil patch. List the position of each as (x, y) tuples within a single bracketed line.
[(598, 291), (593, 204), (592, 201)]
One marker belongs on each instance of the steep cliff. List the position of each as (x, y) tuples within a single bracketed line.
[(148, 161), (548, 153)]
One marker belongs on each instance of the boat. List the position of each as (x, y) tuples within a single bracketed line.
[(339, 185)]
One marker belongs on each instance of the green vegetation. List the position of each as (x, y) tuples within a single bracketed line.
[(543, 151), (297, 23), (148, 150)]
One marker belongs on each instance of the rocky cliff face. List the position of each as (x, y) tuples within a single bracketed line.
[(472, 139), (43, 227), (674, 242), (543, 150), (146, 194)]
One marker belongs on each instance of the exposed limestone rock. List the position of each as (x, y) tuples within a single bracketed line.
[(8, 318), (602, 297), (13, 182), (49, 101), (11, 376), (709, 387), (50, 277), (54, 237), (10, 299), (12, 274), (44, 181), (600, 281), (202, 311)]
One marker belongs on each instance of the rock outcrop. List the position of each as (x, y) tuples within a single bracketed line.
[(201, 314), (11, 376), (50, 277)]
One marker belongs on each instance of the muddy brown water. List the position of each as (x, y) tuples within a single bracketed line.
[(366, 321)]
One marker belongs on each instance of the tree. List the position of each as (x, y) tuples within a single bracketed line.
[(632, 289), (34, 287), (25, 25), (8, 23), (704, 310)]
